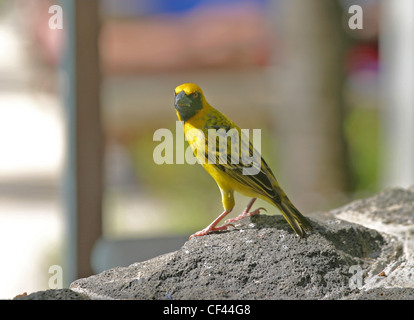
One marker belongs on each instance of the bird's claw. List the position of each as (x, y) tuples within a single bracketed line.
[(245, 215), (210, 230)]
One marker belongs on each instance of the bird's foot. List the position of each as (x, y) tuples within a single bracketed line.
[(210, 230), (245, 214)]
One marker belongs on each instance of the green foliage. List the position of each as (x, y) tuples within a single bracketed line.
[(362, 134)]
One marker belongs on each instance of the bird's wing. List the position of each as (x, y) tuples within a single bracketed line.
[(245, 164)]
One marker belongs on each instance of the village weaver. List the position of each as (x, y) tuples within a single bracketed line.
[(195, 112)]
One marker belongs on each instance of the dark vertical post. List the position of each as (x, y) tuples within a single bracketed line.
[(83, 182)]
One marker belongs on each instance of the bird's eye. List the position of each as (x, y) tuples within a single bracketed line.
[(195, 95)]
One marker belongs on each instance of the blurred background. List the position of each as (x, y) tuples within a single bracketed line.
[(79, 106)]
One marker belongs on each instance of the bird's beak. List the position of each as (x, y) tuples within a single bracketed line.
[(181, 100)]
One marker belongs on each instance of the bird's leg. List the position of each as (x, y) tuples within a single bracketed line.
[(246, 212), (212, 226)]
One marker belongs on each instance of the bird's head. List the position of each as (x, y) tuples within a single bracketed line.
[(189, 100)]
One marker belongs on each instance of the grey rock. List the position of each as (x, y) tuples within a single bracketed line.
[(260, 259), (384, 294), (364, 250), (391, 213), (390, 207), (54, 294)]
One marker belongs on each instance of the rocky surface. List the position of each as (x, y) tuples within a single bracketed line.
[(53, 294), (260, 259), (392, 214), (363, 250)]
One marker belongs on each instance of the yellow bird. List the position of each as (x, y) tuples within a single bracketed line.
[(199, 116)]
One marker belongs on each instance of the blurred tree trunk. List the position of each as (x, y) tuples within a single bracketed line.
[(312, 154)]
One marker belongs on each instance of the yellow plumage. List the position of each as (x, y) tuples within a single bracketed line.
[(199, 116)]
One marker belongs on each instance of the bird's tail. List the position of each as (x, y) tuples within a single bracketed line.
[(296, 220)]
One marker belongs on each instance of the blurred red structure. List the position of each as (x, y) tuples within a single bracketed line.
[(234, 36), (229, 38)]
